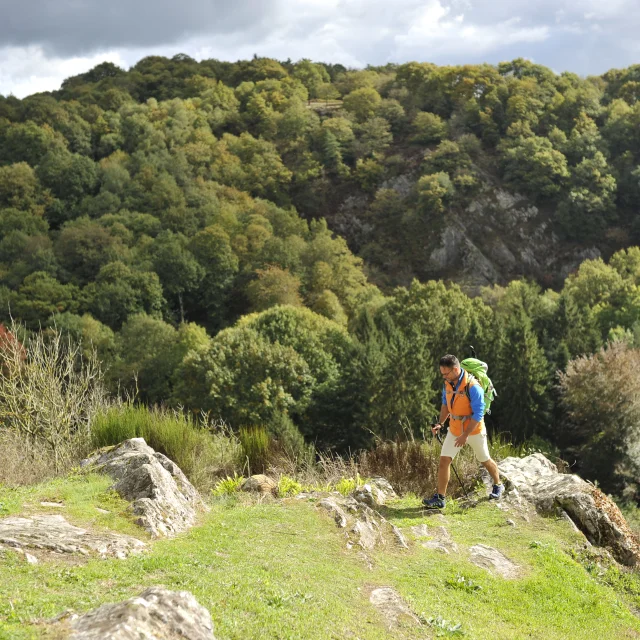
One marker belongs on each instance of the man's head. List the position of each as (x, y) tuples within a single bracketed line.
[(450, 368)]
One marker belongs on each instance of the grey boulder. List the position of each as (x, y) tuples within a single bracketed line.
[(537, 480), (155, 613), (162, 497)]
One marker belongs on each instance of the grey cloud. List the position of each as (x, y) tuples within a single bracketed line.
[(584, 36), (75, 27)]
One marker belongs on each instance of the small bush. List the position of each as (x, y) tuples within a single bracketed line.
[(255, 446), (49, 393), (24, 463), (227, 486), (286, 437), (203, 452), (346, 486), (287, 486)]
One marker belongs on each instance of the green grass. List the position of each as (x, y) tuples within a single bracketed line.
[(556, 597), (268, 571), (281, 570), (81, 495)]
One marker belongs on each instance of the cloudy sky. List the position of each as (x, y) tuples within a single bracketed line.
[(42, 42)]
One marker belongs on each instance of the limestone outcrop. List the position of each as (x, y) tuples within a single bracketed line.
[(537, 480), (162, 497), (363, 526), (53, 534), (155, 613)]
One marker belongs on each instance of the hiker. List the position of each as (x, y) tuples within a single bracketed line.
[(463, 403)]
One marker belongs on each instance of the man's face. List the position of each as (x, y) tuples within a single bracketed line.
[(450, 374)]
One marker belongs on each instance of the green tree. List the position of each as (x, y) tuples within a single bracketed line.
[(212, 249), (179, 272), (434, 192), (90, 333), (428, 128), (119, 292), (392, 376), (374, 136), (84, 246), (70, 176), (522, 375), (148, 355), (27, 142), (19, 188), (273, 286), (590, 203), (600, 395), (532, 165), (362, 103), (39, 297), (312, 75), (245, 379)]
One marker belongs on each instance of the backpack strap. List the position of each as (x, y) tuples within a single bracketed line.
[(470, 379)]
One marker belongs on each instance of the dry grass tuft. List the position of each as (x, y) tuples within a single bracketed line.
[(412, 466)]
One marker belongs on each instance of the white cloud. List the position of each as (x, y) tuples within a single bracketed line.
[(26, 70), (434, 29), (585, 36)]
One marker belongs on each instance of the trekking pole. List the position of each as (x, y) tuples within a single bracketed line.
[(466, 495)]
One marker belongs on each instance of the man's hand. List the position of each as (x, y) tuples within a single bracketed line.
[(461, 440), (435, 428)]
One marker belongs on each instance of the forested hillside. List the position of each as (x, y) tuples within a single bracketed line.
[(180, 217)]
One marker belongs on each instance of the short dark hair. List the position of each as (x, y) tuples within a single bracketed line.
[(449, 361)]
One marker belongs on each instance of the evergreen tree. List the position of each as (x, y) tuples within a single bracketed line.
[(523, 378)]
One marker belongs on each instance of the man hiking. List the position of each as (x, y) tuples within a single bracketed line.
[(463, 403)]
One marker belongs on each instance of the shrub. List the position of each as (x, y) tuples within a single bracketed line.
[(601, 394), (255, 446), (49, 393), (227, 486), (287, 437), (23, 462), (428, 128), (346, 486), (203, 451), (412, 466), (287, 486)]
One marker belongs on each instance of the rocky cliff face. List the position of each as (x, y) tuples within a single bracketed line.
[(500, 236)]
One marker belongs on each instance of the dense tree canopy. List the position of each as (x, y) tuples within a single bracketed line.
[(196, 222)]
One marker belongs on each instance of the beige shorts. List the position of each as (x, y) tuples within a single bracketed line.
[(477, 443)]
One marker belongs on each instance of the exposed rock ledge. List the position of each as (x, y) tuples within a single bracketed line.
[(155, 613), (537, 480), (165, 501), (52, 533)]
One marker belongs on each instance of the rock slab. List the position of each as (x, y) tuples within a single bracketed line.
[(392, 606), (364, 526), (156, 613), (493, 560), (537, 480), (54, 534), (162, 497), (442, 541)]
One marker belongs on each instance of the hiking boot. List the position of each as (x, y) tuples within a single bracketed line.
[(437, 502), (498, 490)]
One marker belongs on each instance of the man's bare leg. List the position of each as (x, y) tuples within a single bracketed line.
[(443, 474), (492, 468)]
